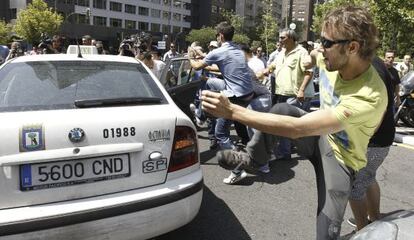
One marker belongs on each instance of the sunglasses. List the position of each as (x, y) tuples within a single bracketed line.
[(282, 37), (326, 43)]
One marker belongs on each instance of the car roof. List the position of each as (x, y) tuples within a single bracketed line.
[(74, 57)]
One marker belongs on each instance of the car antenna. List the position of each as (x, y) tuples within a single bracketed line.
[(79, 49)]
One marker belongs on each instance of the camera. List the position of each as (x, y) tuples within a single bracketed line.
[(45, 41)]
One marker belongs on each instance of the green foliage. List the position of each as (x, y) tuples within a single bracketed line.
[(267, 28), (234, 19), (394, 19), (37, 19), (4, 33), (203, 36), (241, 39), (256, 44)]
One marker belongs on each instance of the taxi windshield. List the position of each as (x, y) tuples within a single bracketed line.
[(59, 84)]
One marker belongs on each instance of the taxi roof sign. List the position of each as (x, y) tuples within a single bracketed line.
[(85, 49)]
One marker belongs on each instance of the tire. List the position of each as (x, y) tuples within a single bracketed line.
[(407, 116)]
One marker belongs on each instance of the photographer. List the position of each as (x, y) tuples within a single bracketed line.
[(15, 51), (51, 46), (125, 49)]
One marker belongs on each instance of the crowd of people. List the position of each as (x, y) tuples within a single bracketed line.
[(346, 140), (268, 101)]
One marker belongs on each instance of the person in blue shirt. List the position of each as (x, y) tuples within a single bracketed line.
[(237, 82)]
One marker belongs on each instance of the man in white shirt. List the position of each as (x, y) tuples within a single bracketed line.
[(156, 66), (171, 53), (404, 67)]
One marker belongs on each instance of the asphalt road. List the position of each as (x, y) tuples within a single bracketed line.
[(281, 204)]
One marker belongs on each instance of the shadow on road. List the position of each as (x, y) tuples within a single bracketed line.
[(214, 213)]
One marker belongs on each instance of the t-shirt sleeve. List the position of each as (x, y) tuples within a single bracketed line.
[(303, 54), (212, 57), (355, 110)]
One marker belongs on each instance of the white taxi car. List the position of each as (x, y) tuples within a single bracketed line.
[(92, 147)]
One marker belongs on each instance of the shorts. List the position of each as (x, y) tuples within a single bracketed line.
[(366, 176)]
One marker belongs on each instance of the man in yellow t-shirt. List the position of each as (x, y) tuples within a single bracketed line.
[(291, 80), (334, 138)]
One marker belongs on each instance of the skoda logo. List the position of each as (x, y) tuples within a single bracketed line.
[(76, 135)]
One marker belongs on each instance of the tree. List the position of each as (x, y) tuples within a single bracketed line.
[(241, 39), (203, 36), (5, 29), (234, 19), (37, 19), (267, 29), (394, 19)]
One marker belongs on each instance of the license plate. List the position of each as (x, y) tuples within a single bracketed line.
[(72, 172)]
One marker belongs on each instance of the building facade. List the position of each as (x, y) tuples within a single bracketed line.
[(113, 20), (207, 12), (300, 11), (251, 10)]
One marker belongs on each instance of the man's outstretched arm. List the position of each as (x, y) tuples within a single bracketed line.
[(315, 123)]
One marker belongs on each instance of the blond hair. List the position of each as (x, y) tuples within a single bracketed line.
[(355, 24)]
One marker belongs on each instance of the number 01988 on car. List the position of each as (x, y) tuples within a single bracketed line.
[(66, 173)]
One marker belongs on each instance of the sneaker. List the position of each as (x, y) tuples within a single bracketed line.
[(351, 221), (231, 159), (265, 168), (235, 176)]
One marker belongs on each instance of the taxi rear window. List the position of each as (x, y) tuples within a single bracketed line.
[(59, 84)]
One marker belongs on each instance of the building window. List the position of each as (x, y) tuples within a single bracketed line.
[(155, 27), (176, 17), (99, 21), (177, 4), (155, 13), (101, 4), (67, 1), (79, 19), (166, 15), (176, 29), (83, 3), (130, 9), (165, 28), (187, 18), (115, 6), (143, 26), (115, 22), (187, 6), (143, 11), (129, 24), (156, 1), (167, 2)]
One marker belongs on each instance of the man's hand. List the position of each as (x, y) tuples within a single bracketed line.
[(301, 95), (216, 104)]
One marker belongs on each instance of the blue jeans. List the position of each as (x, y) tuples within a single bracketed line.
[(222, 127)]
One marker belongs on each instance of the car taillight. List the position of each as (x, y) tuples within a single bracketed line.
[(185, 149)]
